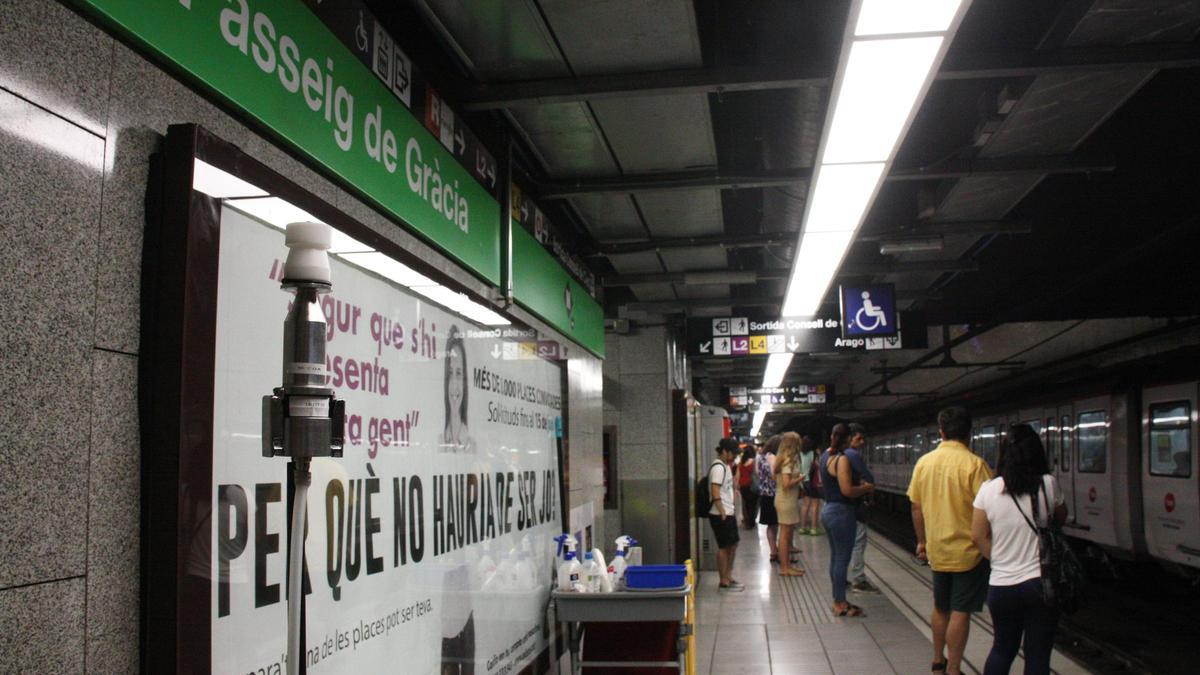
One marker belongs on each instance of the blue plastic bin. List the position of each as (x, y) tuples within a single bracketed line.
[(655, 577)]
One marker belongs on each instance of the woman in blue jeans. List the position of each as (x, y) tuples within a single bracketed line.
[(842, 485), (1003, 529)]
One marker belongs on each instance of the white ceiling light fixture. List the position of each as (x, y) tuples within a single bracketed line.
[(877, 94), (777, 367), (221, 184), (759, 416), (894, 17), (890, 52)]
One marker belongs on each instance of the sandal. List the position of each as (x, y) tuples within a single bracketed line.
[(940, 666), (850, 610), (791, 572)]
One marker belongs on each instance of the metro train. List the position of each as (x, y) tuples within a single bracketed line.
[(1124, 453)]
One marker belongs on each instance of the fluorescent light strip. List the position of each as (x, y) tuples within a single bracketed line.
[(876, 96), (759, 416), (841, 195), (777, 367), (813, 268), (404, 275), (894, 17), (221, 184), (876, 91), (278, 213)]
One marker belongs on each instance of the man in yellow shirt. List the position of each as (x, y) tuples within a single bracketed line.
[(942, 491)]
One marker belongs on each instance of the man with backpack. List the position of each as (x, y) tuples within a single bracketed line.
[(721, 512)]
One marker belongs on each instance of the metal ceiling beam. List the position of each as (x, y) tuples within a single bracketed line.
[(731, 242), (970, 66), (711, 277), (725, 241), (678, 306), (723, 180)]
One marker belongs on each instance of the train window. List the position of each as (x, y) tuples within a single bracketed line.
[(1092, 434), (987, 445), (1171, 439), (918, 447), (1051, 443), (1064, 443)]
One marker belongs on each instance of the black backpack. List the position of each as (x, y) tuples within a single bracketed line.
[(704, 491), (1063, 579)]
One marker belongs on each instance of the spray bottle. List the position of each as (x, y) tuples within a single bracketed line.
[(591, 574), (617, 568), (570, 572)]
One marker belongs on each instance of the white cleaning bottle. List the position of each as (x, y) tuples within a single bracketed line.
[(616, 568), (591, 574), (605, 582), (570, 572)]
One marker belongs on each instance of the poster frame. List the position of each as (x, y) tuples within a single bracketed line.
[(180, 259)]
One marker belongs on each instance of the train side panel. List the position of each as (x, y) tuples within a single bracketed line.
[(1171, 486)]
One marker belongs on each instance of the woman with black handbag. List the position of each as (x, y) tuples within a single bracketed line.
[(1011, 513)]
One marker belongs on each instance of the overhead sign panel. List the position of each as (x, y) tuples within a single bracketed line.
[(794, 394), (868, 311), (762, 335)]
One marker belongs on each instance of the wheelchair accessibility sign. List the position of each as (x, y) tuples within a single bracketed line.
[(868, 311)]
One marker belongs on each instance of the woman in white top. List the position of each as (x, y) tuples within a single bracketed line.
[(1003, 530)]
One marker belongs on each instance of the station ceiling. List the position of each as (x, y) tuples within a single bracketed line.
[(1055, 157)]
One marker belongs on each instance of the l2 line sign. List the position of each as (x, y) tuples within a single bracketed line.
[(762, 335)]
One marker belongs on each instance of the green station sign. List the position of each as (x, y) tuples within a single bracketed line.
[(276, 62)]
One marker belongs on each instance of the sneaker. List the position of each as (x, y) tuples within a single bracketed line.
[(733, 587), (864, 586)]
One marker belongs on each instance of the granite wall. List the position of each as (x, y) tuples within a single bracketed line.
[(80, 115), (640, 371)]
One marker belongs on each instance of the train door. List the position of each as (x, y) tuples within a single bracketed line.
[(1095, 503), (1048, 430), (1066, 458), (1170, 493)]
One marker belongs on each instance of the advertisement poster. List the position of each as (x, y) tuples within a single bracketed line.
[(430, 543)]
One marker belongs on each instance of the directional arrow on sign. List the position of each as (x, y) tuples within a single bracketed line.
[(460, 141), (705, 347), (793, 345), (524, 210), (496, 351)]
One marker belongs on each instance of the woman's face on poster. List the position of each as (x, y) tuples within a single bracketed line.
[(456, 378)]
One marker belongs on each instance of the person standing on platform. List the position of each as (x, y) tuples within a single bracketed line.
[(747, 484), (942, 492), (810, 507), (764, 466), (720, 514), (1003, 529), (842, 486), (858, 574), (787, 499)]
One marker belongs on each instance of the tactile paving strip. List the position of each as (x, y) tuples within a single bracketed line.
[(807, 599)]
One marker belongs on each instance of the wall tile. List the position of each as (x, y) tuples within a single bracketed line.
[(47, 272), (114, 498), (113, 654), (54, 58), (644, 410), (41, 627), (644, 351), (612, 355), (643, 461)]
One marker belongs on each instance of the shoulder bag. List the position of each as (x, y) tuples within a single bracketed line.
[(1063, 578)]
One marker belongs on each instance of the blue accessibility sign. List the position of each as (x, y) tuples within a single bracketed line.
[(868, 311)]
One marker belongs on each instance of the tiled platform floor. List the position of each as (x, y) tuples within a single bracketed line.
[(784, 625)]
